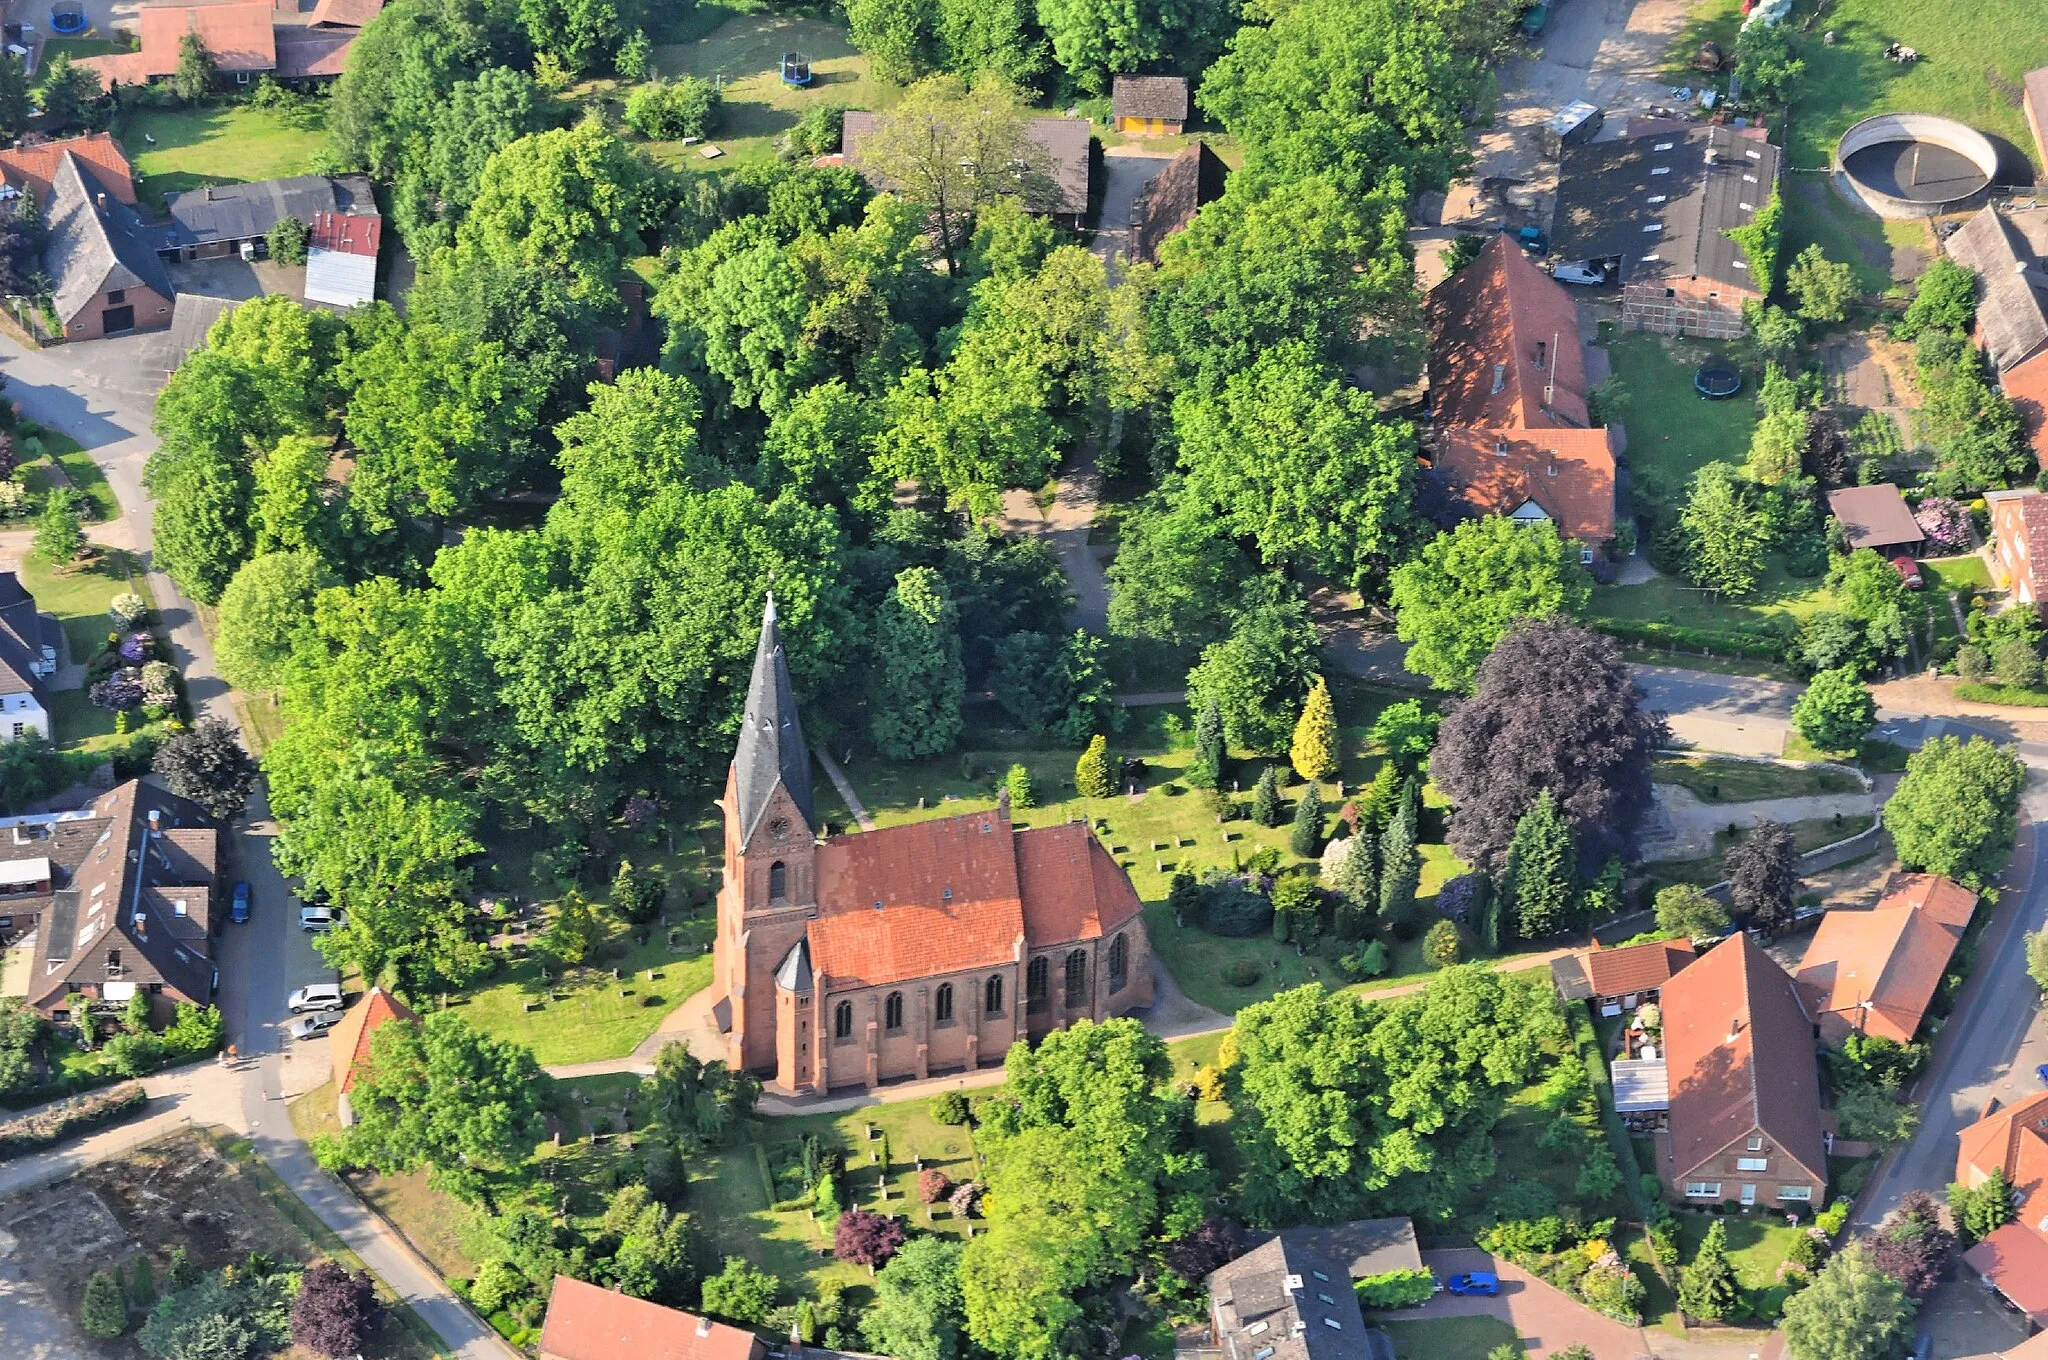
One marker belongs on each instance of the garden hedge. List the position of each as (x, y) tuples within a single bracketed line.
[(1395, 1289), (38, 1131), (1758, 644)]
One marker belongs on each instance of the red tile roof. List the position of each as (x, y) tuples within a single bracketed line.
[(1943, 899), (346, 13), (349, 1043), (1636, 967), (1569, 474), (34, 167), (237, 34), (1071, 888), (1876, 971), (1740, 1053), (2027, 385), (348, 233), (1494, 313), (304, 53), (2015, 1258), (918, 900), (2013, 1140), (585, 1322)]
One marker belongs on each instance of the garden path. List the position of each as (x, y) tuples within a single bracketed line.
[(846, 793)]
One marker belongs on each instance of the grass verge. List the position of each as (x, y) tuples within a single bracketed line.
[(1737, 781)]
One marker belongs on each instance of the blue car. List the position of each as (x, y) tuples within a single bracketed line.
[(2042, 1073), (1476, 1282), (239, 911)]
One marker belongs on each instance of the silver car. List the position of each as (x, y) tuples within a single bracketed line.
[(308, 1026), (317, 920), (318, 996)]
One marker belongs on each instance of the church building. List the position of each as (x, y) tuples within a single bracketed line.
[(906, 952)]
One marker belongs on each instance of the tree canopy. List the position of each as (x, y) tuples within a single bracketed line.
[(1457, 597)]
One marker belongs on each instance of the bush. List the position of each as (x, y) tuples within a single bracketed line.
[(933, 1185), (104, 1311), (950, 1107), (1243, 972), (1017, 783), (53, 1124), (286, 241), (1759, 644), (1395, 1289), (128, 610), (1231, 907), (1442, 946), (665, 110), (1369, 962), (817, 133)]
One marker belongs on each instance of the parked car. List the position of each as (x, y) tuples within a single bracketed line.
[(317, 996), (2042, 1073), (1908, 570), (1580, 271), (238, 912), (1530, 239), (307, 1026), (1474, 1282), (317, 920)]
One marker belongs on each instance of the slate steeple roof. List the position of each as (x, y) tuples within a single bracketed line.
[(771, 747)]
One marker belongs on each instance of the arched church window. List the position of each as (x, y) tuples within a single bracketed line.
[(778, 881), (892, 1012), (1119, 962), (842, 1021), (992, 996), (942, 1003), (1077, 979)]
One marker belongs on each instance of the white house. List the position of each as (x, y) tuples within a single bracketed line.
[(28, 658)]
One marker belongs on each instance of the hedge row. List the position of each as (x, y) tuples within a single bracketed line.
[(1395, 1289), (2002, 694), (1588, 1042), (39, 1131), (1755, 644)]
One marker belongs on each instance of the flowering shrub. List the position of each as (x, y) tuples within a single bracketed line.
[(1610, 1287), (119, 692), (933, 1185), (639, 812), (966, 1200), (137, 648), (128, 610), (159, 685), (1946, 523), (1460, 896)]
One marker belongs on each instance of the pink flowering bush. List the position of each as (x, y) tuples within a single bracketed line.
[(1946, 523)]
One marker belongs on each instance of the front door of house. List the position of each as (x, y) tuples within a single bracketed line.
[(1749, 1194)]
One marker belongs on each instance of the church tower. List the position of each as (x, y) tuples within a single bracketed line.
[(770, 886)]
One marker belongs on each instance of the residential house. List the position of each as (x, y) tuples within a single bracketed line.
[(96, 250), (118, 897), (348, 1043), (906, 951), (2006, 252), (31, 168), (1063, 145), (1286, 1299), (1745, 1121), (1365, 1247), (585, 1322), (2019, 543), (1656, 207), (1170, 201), (1511, 433), (341, 258), (1617, 980), (1876, 517), (243, 38), (1149, 106), (2014, 1259), (223, 219), (1876, 971), (345, 13), (30, 641)]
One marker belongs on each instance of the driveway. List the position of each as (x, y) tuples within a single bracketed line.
[(1546, 1320), (1126, 171)]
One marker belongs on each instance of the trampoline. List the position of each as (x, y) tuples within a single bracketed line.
[(67, 18), (1716, 382), (796, 69)]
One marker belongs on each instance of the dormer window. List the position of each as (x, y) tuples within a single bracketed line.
[(1542, 352)]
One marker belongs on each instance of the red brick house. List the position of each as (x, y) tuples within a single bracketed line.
[(1875, 972), (1617, 980), (1745, 1121), (1507, 382), (2014, 1259), (108, 278), (2019, 543), (585, 1322), (348, 1045), (857, 959), (31, 168)]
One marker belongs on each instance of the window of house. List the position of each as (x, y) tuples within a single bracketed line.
[(778, 881), (1796, 1192), (116, 295), (18, 728), (1077, 979), (1755, 1144), (992, 996), (1703, 1189), (1752, 1164), (1036, 982), (892, 1012), (942, 1004), (842, 1021), (1119, 963)]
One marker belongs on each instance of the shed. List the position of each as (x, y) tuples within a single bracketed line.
[(1149, 106), (1876, 517), (1576, 122), (341, 259)]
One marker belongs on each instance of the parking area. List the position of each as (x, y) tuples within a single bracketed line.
[(1546, 1321)]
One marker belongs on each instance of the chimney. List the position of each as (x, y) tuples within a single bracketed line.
[(100, 200), (154, 821), (1500, 376), (1500, 445), (703, 1326), (141, 923)]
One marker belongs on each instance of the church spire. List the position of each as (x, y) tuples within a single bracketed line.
[(771, 749)]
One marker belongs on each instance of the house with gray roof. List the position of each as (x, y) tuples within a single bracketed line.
[(29, 645), (1288, 1299), (1149, 106), (1063, 145), (219, 219), (1656, 206), (108, 280)]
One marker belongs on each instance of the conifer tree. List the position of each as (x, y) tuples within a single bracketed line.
[(1538, 876), (1314, 752), (104, 1311), (1400, 861), (1706, 1288), (1206, 772), (1091, 771), (1266, 798), (142, 1285), (1358, 887), (1307, 837)]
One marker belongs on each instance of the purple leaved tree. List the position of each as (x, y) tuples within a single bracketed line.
[(335, 1312), (866, 1238)]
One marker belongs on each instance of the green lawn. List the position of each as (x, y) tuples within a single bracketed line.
[(1673, 431), (218, 144), (79, 595), (1736, 781), (1972, 58), (1660, 1304), (590, 1015), (1165, 827), (79, 469), (1456, 1338), (746, 51), (75, 48), (1757, 1244)]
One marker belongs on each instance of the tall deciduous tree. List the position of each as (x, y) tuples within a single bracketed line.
[(208, 765), (1556, 709), (1912, 1246), (1851, 1311), (1763, 871), (1836, 712), (335, 1312), (915, 691), (1094, 39), (1176, 576), (1725, 529), (1540, 872), (193, 80), (1456, 598), (1686, 912), (1260, 673), (919, 1312), (1825, 288), (201, 524), (269, 600), (568, 200), (1954, 811)]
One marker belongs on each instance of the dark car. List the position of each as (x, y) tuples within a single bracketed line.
[(238, 911), (1474, 1282)]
